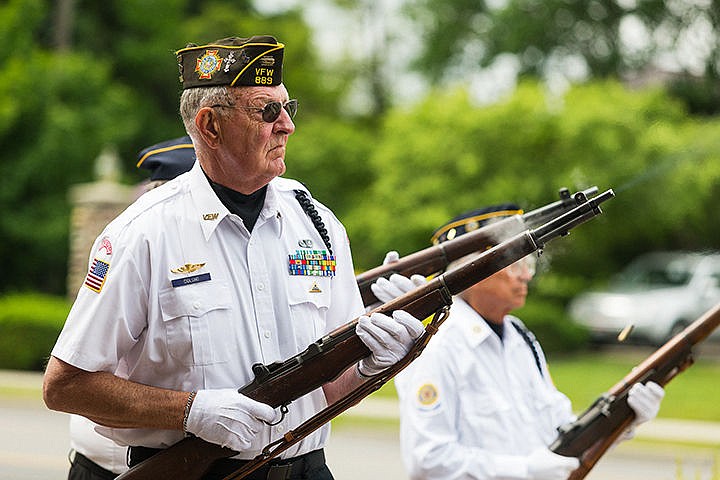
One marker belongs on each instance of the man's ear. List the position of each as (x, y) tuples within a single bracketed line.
[(208, 126)]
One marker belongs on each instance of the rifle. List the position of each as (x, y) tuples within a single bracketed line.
[(435, 259), (280, 383), (592, 434)]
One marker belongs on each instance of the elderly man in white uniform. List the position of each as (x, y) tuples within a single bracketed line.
[(208, 274), (479, 402)]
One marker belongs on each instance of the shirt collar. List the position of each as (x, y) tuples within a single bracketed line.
[(207, 205), (477, 330), (212, 211)]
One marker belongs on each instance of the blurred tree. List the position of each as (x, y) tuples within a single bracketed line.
[(58, 112), (370, 63), (331, 157), (445, 156), (574, 40)]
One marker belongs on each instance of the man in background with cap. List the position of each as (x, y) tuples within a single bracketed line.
[(208, 274), (166, 160), (93, 456), (479, 402)]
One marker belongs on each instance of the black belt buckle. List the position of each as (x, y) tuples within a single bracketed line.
[(280, 472)]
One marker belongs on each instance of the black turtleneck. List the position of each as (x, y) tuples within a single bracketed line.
[(498, 328), (246, 207)]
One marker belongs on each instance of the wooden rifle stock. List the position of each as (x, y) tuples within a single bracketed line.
[(435, 259), (590, 436), (280, 383)]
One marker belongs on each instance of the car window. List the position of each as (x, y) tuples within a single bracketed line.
[(656, 272)]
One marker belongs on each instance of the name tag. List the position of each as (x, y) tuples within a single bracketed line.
[(180, 282)]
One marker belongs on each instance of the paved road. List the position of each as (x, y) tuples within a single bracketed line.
[(34, 442)]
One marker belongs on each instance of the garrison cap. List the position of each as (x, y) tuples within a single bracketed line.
[(168, 159), (472, 220), (233, 61)]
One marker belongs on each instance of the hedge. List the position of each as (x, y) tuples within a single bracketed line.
[(29, 326)]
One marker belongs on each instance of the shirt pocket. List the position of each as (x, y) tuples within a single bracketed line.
[(551, 409), (309, 301), (485, 416), (197, 321)]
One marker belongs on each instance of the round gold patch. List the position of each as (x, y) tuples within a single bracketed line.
[(427, 394)]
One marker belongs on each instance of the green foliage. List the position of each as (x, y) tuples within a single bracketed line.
[(331, 159), (76, 99), (20, 22), (575, 40), (446, 156), (29, 326)]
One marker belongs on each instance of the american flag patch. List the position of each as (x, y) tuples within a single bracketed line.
[(96, 276)]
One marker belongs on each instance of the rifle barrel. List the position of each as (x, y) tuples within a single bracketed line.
[(435, 259)]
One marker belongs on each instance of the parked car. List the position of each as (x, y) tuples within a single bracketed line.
[(659, 293)]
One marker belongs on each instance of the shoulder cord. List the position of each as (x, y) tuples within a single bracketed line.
[(530, 339), (311, 212)]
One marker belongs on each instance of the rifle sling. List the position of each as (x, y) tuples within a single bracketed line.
[(351, 399)]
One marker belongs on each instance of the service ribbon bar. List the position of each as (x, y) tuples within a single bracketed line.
[(315, 263)]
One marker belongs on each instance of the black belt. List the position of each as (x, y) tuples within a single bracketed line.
[(281, 469), (96, 470)]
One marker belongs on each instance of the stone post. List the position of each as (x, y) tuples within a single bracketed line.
[(94, 205)]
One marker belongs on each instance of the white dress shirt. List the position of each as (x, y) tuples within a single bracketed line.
[(473, 406)]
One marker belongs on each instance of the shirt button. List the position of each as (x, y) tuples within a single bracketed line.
[(197, 305), (267, 334), (261, 286), (280, 428)]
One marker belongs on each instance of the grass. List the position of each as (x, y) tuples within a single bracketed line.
[(692, 395)]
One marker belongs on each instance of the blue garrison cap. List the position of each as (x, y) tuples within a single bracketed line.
[(168, 159), (472, 220)]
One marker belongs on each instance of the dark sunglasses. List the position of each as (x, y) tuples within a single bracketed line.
[(271, 110)]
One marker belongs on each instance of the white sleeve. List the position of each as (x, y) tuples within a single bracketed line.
[(110, 308)]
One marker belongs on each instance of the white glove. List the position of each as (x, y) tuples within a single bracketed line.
[(388, 289), (546, 465), (228, 418), (389, 339), (645, 401)]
